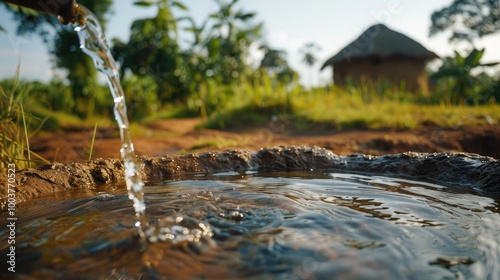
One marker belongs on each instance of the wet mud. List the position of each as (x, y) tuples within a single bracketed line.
[(471, 171)]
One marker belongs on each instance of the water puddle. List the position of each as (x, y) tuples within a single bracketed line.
[(277, 225)]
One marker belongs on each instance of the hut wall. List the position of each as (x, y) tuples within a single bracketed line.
[(393, 69)]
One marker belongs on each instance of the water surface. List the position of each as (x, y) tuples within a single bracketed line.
[(279, 225)]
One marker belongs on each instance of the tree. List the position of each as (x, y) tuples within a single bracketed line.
[(458, 70), (468, 19), (309, 51), (229, 41), (153, 50), (195, 57), (197, 31), (63, 45), (274, 61)]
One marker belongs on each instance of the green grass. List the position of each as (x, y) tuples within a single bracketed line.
[(366, 107), (342, 113), (15, 127)]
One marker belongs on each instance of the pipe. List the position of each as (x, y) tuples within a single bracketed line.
[(64, 9)]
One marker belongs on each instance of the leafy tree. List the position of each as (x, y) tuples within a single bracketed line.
[(458, 70), (153, 50), (63, 45), (197, 31), (229, 41), (195, 57), (274, 61), (468, 19), (219, 46)]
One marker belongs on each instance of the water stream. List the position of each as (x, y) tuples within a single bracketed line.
[(94, 44)]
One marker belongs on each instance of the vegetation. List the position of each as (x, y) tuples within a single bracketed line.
[(459, 82), (14, 122), (81, 73), (153, 52), (274, 63), (371, 106), (309, 52), (467, 19)]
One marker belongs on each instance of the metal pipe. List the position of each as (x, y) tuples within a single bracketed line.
[(64, 9)]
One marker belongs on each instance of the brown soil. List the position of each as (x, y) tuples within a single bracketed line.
[(179, 136), (175, 148)]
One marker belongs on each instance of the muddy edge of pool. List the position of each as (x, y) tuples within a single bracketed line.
[(453, 169)]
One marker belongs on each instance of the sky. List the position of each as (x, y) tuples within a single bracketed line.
[(288, 25)]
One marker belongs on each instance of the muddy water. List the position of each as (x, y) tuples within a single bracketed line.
[(268, 225)]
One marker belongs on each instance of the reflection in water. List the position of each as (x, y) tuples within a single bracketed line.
[(297, 225)]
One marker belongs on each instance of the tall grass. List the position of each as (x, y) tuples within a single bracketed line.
[(368, 106), (14, 126)]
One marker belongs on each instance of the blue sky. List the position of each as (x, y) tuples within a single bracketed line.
[(288, 25)]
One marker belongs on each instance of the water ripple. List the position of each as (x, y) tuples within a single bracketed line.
[(298, 225)]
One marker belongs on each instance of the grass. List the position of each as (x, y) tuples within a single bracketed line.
[(14, 128), (257, 102), (380, 114), (93, 142), (366, 107)]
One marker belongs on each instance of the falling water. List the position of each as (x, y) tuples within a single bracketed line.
[(166, 228), (93, 43)]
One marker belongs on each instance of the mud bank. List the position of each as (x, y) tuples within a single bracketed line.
[(466, 170)]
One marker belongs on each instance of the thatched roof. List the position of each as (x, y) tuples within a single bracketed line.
[(380, 41)]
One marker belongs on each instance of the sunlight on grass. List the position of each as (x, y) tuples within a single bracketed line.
[(363, 108), (14, 128), (392, 114)]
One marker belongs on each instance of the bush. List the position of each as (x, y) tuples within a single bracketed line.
[(140, 93)]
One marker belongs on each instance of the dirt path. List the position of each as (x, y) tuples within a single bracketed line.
[(177, 136)]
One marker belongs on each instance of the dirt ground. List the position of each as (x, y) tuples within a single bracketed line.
[(179, 136), (181, 146)]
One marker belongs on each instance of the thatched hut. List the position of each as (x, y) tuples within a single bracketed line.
[(382, 54)]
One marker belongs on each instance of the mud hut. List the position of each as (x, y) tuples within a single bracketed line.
[(382, 54)]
